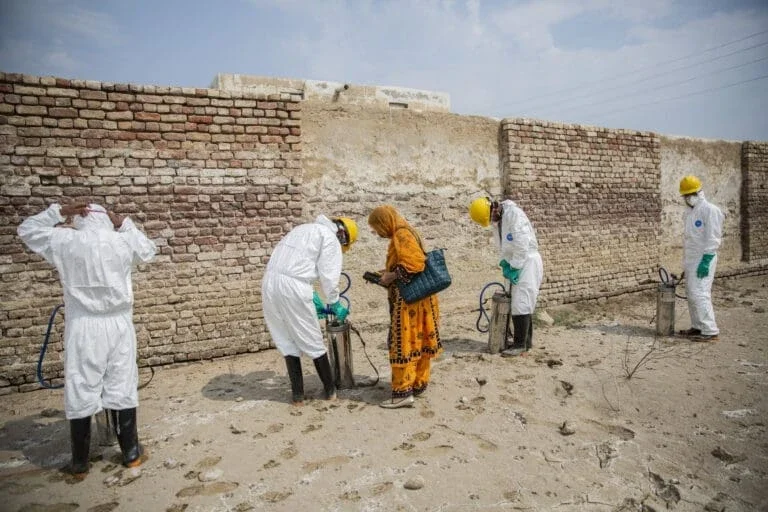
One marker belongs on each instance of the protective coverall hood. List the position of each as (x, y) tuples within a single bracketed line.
[(97, 219)]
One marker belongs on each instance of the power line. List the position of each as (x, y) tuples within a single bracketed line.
[(695, 93), (637, 69), (664, 86), (651, 77)]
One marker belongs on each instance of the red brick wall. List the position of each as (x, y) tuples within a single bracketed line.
[(213, 177)]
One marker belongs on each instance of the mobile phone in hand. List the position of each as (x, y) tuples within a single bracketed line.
[(373, 277)]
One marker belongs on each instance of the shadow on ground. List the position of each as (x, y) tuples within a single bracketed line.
[(42, 438), (268, 385), (464, 345)]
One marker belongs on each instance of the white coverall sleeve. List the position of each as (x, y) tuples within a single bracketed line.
[(37, 231), (713, 234), (515, 238), (329, 268), (143, 248)]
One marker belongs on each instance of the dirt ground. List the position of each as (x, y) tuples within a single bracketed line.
[(562, 428)]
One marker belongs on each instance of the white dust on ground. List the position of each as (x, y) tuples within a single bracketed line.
[(562, 428)]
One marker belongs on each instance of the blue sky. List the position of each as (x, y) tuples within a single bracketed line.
[(687, 67)]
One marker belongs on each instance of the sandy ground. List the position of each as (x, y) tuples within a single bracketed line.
[(563, 428)]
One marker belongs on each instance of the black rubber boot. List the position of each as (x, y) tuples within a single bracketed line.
[(80, 436), (522, 327), (128, 437), (523, 331), (529, 338), (323, 366), (293, 364)]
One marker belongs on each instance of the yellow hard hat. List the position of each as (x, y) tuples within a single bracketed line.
[(480, 211), (689, 185), (351, 227)]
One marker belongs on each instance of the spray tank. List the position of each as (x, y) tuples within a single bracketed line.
[(340, 346), (498, 323), (665, 302)]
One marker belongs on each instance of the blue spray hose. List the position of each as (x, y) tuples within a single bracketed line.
[(40, 378), (483, 312), (342, 292), (341, 295)]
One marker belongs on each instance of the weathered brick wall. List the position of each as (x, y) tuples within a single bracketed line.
[(429, 165), (213, 177), (754, 200), (593, 197)]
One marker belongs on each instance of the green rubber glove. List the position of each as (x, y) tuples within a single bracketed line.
[(319, 306), (338, 309), (510, 273), (703, 268)]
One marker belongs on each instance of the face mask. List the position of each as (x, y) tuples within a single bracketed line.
[(691, 200), (495, 212)]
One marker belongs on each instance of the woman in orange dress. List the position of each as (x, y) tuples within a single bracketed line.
[(413, 333)]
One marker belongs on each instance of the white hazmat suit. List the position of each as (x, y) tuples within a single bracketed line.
[(94, 262), (308, 253), (519, 247), (702, 234)]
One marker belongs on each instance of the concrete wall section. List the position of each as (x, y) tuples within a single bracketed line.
[(718, 165), (213, 177), (593, 197), (428, 165), (339, 93)]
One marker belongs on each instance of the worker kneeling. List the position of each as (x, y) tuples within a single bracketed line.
[(308, 253)]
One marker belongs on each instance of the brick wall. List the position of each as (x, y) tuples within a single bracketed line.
[(213, 177), (593, 197), (754, 200)]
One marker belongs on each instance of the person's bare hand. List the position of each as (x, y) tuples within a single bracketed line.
[(116, 219), (74, 209), (387, 278)]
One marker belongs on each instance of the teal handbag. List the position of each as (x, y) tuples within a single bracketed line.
[(434, 278)]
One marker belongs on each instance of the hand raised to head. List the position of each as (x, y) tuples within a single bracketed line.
[(74, 208), (116, 219)]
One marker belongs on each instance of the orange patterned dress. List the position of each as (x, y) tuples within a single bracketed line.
[(414, 338)]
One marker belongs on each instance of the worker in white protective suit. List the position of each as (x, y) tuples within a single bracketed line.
[(308, 253), (702, 235), (521, 264), (94, 262)]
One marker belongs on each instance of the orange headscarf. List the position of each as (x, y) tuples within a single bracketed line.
[(405, 248)]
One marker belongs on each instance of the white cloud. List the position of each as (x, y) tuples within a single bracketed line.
[(94, 25), (61, 62)]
